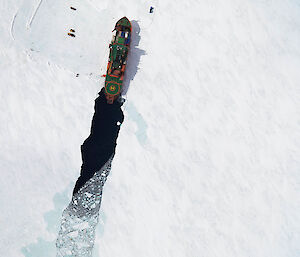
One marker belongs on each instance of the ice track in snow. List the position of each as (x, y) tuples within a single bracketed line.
[(77, 232)]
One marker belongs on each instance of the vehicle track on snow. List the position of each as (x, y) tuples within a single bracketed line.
[(28, 26), (12, 26)]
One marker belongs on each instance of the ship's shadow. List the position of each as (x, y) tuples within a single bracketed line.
[(134, 57)]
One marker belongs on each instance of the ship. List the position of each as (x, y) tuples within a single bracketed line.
[(118, 52)]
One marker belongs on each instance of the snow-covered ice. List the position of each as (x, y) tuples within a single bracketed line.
[(207, 161)]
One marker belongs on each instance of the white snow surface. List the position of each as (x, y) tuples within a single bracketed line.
[(207, 161)]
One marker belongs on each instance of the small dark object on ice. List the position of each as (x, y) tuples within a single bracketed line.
[(121, 100), (77, 75), (151, 9), (71, 35), (72, 30), (73, 8)]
